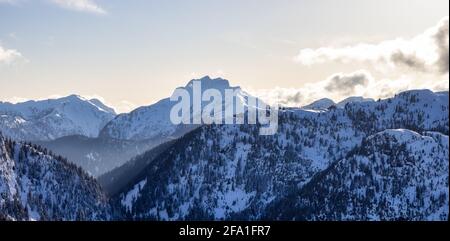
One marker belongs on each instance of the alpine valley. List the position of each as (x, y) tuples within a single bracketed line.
[(360, 159)]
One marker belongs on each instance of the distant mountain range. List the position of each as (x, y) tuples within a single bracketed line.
[(131, 134), (54, 118), (366, 161), (358, 159), (153, 121)]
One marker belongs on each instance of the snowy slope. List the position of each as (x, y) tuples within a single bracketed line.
[(394, 175), (321, 104), (96, 155), (54, 118), (153, 121), (231, 172), (353, 99), (225, 170), (37, 186), (417, 110), (367, 160)]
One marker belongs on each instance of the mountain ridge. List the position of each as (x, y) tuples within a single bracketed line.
[(230, 172), (54, 118), (150, 122), (391, 182), (35, 185)]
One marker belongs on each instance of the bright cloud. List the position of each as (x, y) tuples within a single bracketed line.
[(346, 84), (122, 106), (77, 5), (15, 100), (125, 106), (9, 55), (336, 86), (80, 5), (340, 86), (426, 52), (9, 1), (421, 62)]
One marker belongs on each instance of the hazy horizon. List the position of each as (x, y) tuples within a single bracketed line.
[(134, 53)]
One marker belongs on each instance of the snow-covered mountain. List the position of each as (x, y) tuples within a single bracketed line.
[(321, 104), (54, 118), (152, 122), (231, 172), (116, 179), (325, 103), (131, 134), (35, 185), (363, 160), (394, 175), (353, 99)]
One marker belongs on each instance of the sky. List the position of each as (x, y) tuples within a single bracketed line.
[(136, 52)]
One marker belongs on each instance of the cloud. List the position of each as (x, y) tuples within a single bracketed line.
[(13, 36), (9, 55), (77, 5), (125, 106), (421, 62), (14, 99), (442, 39), (122, 106), (342, 85), (12, 2), (409, 60), (80, 5), (346, 83), (425, 52), (336, 86), (282, 96)]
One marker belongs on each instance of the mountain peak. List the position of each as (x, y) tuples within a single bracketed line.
[(206, 77), (209, 83), (419, 92), (72, 97), (53, 118), (353, 99), (75, 98), (101, 105), (321, 104)]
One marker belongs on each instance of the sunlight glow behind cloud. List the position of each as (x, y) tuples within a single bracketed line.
[(425, 52)]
